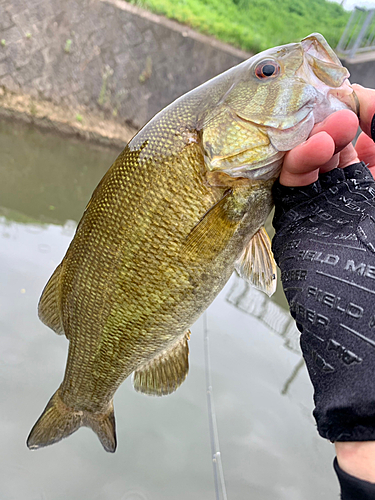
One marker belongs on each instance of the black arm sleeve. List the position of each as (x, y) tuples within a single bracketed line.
[(353, 488), (325, 247)]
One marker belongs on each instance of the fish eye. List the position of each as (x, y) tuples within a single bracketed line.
[(267, 69)]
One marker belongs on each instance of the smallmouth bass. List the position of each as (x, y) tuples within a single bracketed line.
[(181, 207)]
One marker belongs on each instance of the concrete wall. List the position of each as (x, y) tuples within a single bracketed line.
[(110, 57), (362, 71), (106, 55)]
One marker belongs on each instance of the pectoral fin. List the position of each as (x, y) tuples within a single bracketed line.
[(49, 306), (257, 264), (165, 373), (212, 233)]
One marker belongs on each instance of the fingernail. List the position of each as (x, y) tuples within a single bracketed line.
[(373, 128)]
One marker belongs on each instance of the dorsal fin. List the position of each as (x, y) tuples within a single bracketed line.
[(257, 264), (165, 373), (49, 303)]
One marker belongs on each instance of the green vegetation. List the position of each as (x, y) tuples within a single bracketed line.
[(255, 25), (68, 45), (147, 72), (10, 216), (105, 95), (32, 108)]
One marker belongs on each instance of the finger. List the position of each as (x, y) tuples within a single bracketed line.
[(366, 99), (301, 164), (365, 148), (348, 156), (331, 164), (342, 126)]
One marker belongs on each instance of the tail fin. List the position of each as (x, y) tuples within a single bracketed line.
[(59, 421), (104, 425)]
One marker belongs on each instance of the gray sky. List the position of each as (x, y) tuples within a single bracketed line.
[(350, 4)]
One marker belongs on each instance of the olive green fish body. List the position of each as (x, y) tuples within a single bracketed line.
[(134, 291), (180, 208)]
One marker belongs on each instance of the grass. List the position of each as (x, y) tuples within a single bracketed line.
[(255, 25)]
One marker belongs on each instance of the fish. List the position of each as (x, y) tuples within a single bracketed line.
[(180, 209)]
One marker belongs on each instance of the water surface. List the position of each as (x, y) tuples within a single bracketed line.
[(263, 398)]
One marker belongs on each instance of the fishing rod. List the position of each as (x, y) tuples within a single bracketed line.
[(220, 490)]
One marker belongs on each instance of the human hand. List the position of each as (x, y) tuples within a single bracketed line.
[(329, 145), (307, 245)]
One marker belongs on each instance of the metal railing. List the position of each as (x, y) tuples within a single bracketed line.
[(359, 34)]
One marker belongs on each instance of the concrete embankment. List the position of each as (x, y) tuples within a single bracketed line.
[(95, 67), (100, 69)]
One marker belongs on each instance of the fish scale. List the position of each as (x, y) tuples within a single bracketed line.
[(141, 275), (180, 208)]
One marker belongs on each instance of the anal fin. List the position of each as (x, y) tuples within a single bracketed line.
[(49, 303), (165, 373), (257, 264)]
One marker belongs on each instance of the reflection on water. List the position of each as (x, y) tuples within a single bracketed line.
[(46, 178), (270, 312), (268, 443), (258, 305)]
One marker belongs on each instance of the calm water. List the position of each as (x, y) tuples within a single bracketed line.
[(263, 399)]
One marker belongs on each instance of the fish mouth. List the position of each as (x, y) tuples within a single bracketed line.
[(323, 69)]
